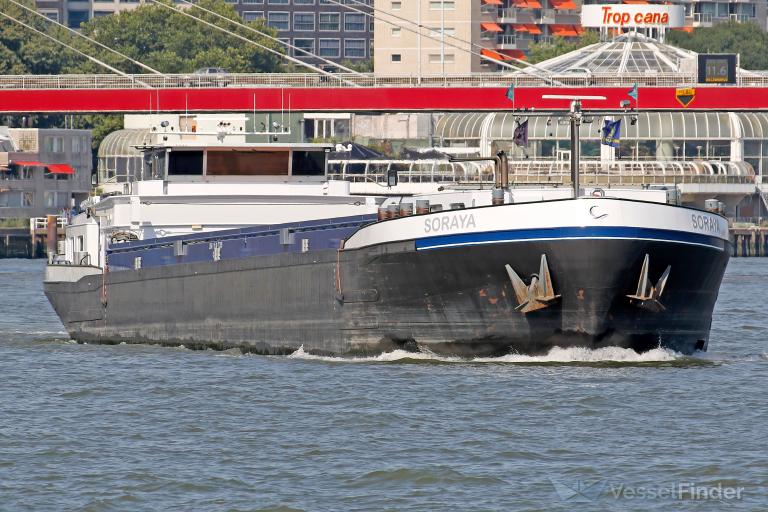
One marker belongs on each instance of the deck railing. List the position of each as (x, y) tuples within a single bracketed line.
[(550, 172)]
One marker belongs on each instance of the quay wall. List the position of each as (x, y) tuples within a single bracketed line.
[(749, 241)]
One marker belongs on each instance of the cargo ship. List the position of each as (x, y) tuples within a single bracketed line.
[(252, 246)]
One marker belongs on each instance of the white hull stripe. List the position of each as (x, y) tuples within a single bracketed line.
[(571, 233)]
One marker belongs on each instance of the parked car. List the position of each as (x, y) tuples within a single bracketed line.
[(207, 77)]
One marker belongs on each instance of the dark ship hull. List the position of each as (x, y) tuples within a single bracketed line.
[(451, 292)]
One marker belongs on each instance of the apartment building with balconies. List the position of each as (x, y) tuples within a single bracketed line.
[(502, 30), (43, 171)]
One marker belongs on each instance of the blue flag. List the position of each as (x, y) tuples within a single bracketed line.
[(511, 93), (611, 133), (633, 92)]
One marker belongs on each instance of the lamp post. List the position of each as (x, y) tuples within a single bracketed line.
[(442, 36)]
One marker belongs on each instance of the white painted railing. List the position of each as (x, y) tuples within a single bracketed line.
[(619, 172), (310, 80)]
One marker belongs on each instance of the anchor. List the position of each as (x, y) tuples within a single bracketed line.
[(537, 295), (647, 296)]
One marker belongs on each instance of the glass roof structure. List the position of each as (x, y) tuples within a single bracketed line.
[(121, 143), (628, 53), (649, 126)]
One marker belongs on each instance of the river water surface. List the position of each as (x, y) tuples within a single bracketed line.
[(135, 427)]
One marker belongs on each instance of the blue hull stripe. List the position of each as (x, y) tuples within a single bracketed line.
[(570, 233)]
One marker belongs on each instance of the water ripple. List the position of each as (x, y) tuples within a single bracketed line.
[(139, 427)]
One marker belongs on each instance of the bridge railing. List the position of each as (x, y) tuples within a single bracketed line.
[(310, 80)]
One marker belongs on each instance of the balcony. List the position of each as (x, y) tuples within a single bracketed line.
[(512, 42), (553, 16), (700, 19), (514, 15), (741, 18)]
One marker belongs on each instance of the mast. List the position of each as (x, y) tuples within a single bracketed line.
[(575, 122), (575, 117)]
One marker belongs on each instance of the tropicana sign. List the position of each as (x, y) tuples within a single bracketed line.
[(621, 15)]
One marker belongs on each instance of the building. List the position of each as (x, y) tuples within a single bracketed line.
[(322, 27), (318, 26), (502, 30), (43, 171)]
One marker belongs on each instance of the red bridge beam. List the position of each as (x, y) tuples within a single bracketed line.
[(382, 99)]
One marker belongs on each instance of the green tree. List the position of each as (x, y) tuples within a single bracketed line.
[(538, 52), (361, 66), (22, 51), (161, 38), (746, 39), (171, 42)]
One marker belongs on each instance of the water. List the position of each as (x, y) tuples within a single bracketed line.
[(132, 427)]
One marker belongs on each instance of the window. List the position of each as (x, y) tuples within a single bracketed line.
[(435, 58), (330, 48), (249, 16), (303, 21), (279, 20), (75, 144), (396, 57), (50, 199), (396, 6), (185, 162), (278, 2), (51, 15), (10, 199), (16, 172), (76, 18), (308, 163), (330, 22), (27, 199), (437, 5), (303, 2), (54, 144), (396, 31), (354, 48), (436, 32), (707, 8), (747, 10), (231, 1), (722, 10), (354, 22), (304, 44), (252, 2)]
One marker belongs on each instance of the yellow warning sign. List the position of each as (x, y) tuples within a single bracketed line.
[(685, 96)]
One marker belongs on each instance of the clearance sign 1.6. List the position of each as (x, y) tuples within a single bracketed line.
[(621, 15)]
